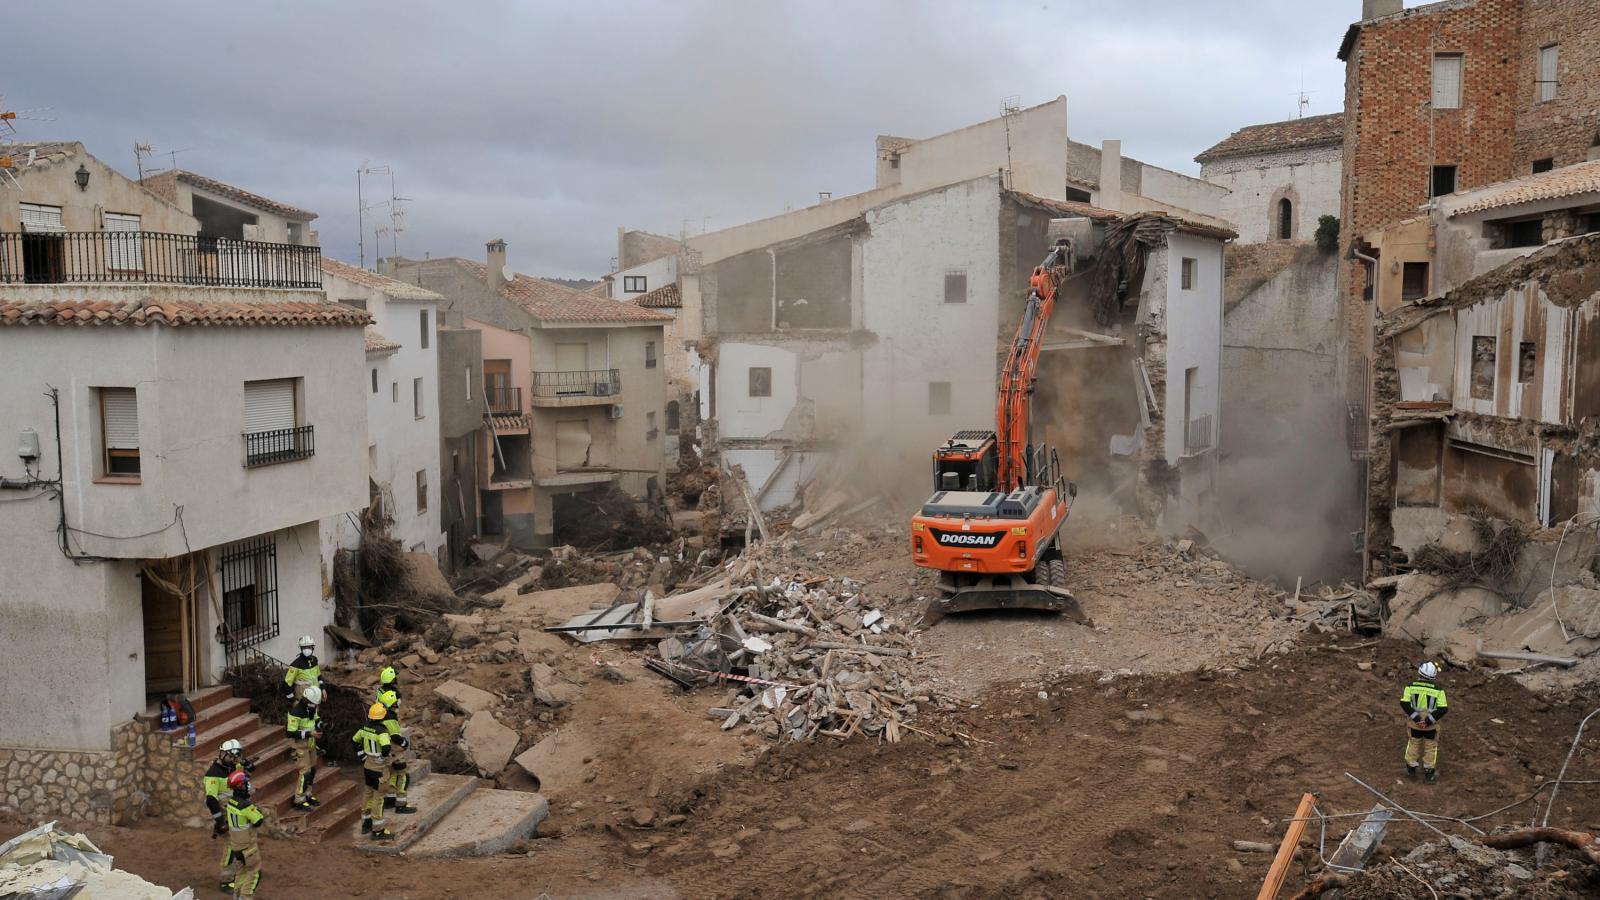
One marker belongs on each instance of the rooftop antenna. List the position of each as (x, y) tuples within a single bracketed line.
[(1302, 97), (1010, 105), (362, 208), (8, 118), (141, 150)]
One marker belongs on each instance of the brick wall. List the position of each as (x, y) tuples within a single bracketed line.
[(1565, 128)]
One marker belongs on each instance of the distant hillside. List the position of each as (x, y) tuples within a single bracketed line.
[(577, 284)]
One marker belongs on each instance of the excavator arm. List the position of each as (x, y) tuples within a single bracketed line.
[(1014, 406)]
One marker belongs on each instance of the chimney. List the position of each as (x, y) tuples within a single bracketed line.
[(1110, 175), (497, 263), (1372, 9)]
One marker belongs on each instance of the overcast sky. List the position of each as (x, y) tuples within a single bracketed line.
[(550, 124)]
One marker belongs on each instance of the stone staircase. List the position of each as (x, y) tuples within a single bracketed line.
[(220, 716), (456, 816)]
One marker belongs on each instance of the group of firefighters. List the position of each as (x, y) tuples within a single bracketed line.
[(381, 746)]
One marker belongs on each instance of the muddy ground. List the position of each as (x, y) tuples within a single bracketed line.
[(1071, 784)]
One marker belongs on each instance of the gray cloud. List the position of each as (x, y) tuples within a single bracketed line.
[(550, 124)]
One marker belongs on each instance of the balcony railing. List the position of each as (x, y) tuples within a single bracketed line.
[(582, 383), (263, 448), (503, 400), (151, 257), (1197, 435)]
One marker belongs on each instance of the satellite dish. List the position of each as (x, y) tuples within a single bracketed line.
[(507, 275)]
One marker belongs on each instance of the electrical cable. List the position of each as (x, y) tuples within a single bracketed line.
[(1576, 738), (1554, 607), (177, 516)]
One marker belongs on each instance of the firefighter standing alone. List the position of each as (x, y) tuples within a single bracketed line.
[(1424, 704), (241, 862)]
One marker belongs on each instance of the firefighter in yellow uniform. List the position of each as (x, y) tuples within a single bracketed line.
[(373, 747), (396, 781), (1424, 704), (303, 671), (241, 864), (230, 759), (303, 729)]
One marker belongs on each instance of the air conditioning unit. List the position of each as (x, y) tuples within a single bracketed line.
[(616, 410), (602, 388)]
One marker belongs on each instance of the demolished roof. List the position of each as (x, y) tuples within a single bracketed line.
[(179, 313), (164, 184), (1076, 209), (1293, 134), (13, 157), (1564, 270), (392, 287), (665, 297), (550, 302), (1568, 181)]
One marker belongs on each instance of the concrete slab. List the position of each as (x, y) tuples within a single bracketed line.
[(554, 607), (434, 798), (464, 697), (488, 743), (488, 822)]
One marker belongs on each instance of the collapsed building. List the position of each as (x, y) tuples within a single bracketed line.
[(1486, 360)]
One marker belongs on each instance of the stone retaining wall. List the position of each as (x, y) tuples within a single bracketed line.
[(143, 774)]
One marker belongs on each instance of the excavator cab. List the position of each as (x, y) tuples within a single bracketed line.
[(966, 462)]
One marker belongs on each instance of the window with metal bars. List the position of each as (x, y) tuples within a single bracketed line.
[(249, 592)]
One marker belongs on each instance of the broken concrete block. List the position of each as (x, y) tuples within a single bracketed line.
[(561, 604), (464, 629), (488, 743), (550, 688), (533, 643), (464, 697), (643, 816), (411, 660), (504, 647)]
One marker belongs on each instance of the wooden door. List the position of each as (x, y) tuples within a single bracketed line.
[(163, 639)]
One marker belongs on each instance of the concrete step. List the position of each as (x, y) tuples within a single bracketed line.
[(335, 818), (487, 822), (340, 797), (267, 746), (206, 698), (210, 735), (434, 799)]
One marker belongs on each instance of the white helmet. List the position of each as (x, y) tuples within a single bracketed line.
[(232, 745), (306, 643), (1428, 670), (312, 694)]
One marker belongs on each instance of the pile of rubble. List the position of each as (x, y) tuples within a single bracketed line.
[(808, 654), (49, 864), (1467, 869)]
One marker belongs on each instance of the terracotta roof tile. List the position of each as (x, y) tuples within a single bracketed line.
[(399, 290), (1072, 208), (377, 343), (1066, 207), (554, 303), (237, 194), (1293, 134), (1567, 181), (664, 297), (178, 313)]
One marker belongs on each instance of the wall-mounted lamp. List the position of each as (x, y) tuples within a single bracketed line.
[(82, 177)]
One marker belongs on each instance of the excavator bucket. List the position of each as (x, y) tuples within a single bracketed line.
[(1002, 592)]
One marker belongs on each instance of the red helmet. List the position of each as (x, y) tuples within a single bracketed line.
[(239, 781)]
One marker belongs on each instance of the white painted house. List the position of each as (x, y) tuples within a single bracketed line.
[(173, 433), (1280, 177), (402, 390)]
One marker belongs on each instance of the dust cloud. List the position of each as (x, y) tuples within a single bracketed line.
[(1289, 495)]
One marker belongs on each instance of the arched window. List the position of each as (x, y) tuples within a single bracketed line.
[(1285, 219), (672, 417)]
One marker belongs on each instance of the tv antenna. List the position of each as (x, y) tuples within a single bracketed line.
[(362, 208), (8, 159), (1302, 97), (1010, 105), (143, 150)]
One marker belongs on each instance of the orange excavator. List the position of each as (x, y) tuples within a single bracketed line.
[(992, 527)]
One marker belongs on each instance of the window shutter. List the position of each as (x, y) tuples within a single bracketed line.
[(1547, 72), (1446, 82), (41, 218), (268, 405), (120, 409), (123, 250)]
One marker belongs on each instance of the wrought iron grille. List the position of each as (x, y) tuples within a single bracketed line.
[(249, 594), (152, 257), (263, 448), (581, 383)]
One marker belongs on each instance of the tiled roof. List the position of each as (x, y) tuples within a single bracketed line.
[(43, 152), (1294, 134), (399, 290), (1568, 181), (178, 313), (1073, 208), (664, 297), (377, 343), (161, 185), (1066, 207), (553, 303), (599, 289)]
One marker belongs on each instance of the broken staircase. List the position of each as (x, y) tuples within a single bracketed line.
[(457, 816)]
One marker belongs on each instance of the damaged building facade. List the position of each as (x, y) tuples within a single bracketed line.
[(871, 341), (1485, 383), (573, 391), (1446, 99)]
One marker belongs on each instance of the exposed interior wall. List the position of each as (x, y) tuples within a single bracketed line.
[(1031, 142), (1254, 182)]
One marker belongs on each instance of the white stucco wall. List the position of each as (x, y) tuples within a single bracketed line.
[(909, 247), (1185, 192), (740, 415), (190, 384), (1037, 155), (399, 444), (1254, 182), (656, 273), (1194, 337)]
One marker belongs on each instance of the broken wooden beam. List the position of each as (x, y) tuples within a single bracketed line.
[(1566, 662), (781, 625), (860, 648), (1291, 841)]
